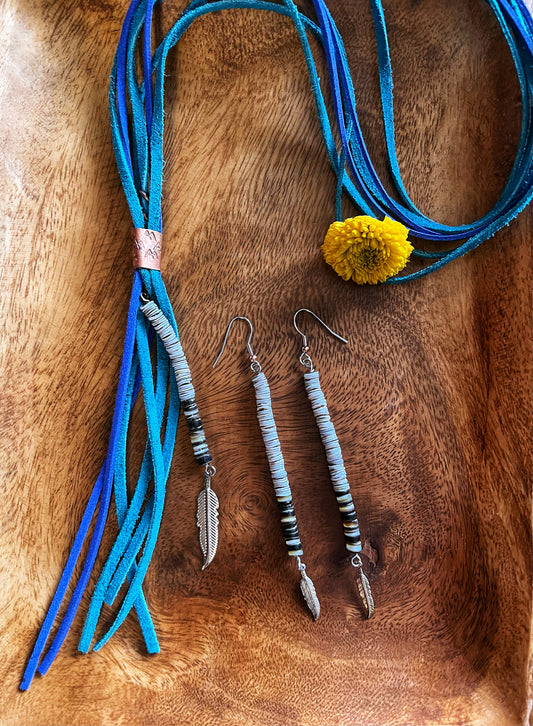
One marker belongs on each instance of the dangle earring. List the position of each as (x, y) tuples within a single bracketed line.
[(337, 470), (277, 468)]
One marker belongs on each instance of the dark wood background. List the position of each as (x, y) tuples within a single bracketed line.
[(431, 399)]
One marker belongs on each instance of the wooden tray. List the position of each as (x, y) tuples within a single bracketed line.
[(431, 399)]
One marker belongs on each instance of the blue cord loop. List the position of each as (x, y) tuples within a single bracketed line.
[(515, 23), (137, 113)]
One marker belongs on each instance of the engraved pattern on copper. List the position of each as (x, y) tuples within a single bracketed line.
[(146, 248)]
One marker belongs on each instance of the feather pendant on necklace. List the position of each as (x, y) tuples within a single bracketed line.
[(207, 521)]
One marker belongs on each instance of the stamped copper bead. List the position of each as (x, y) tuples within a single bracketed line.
[(146, 248)]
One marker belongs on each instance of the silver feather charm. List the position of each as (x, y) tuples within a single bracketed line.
[(363, 586), (207, 519), (309, 592), (366, 594)]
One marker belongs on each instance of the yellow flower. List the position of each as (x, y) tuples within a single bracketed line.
[(367, 250)]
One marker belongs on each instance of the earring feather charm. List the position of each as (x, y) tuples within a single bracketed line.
[(363, 585), (309, 592)]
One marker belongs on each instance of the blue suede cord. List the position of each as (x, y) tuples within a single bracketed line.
[(109, 474), (159, 483), (115, 568), (137, 121), (100, 496), (518, 191), (121, 505), (368, 192)]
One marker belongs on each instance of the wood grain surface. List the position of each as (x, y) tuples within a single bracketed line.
[(431, 398)]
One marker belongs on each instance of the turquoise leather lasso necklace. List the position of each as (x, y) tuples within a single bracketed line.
[(137, 128)]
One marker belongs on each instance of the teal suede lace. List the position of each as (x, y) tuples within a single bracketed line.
[(137, 113)]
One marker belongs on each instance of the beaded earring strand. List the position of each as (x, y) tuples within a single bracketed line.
[(337, 470), (276, 463)]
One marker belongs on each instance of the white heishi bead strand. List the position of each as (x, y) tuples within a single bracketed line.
[(183, 378), (337, 470), (277, 465)]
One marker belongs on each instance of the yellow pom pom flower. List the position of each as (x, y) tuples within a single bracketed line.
[(367, 250)]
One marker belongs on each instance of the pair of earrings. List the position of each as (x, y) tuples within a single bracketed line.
[(278, 472)]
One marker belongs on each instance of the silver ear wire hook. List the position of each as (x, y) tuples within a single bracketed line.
[(305, 359), (304, 337), (254, 363)]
